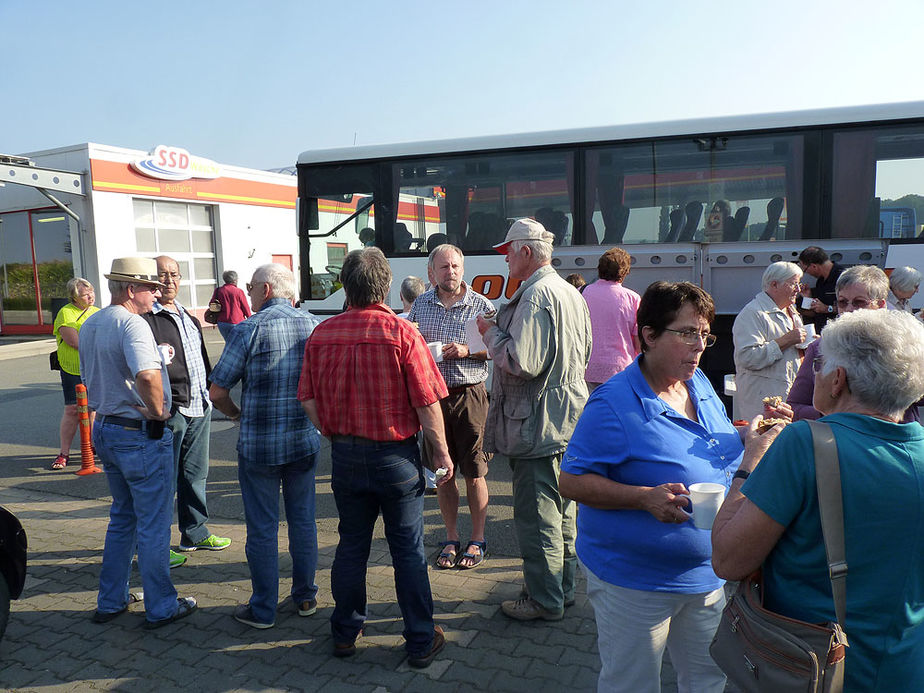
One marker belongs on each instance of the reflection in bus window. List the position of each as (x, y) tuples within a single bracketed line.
[(471, 200), (878, 188), (713, 189)]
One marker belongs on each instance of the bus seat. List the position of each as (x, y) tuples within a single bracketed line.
[(774, 211), (677, 218), (613, 234), (403, 238), (693, 212), (734, 226), (435, 240)]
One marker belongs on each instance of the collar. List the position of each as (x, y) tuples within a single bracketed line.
[(767, 304), (160, 308), (466, 299), (540, 273), (270, 302), (652, 405)]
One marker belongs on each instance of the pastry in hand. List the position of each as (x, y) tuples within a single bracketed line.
[(765, 425)]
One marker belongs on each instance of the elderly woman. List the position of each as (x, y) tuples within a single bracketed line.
[(644, 437), (68, 322), (903, 284), (612, 318), (766, 333), (869, 374)]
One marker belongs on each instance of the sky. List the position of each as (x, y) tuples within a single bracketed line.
[(255, 83)]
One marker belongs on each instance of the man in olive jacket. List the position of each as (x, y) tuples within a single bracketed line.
[(540, 344)]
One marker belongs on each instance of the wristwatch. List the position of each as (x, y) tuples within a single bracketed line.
[(740, 474), (831, 309)]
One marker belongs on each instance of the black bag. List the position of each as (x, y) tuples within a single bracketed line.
[(53, 362), (211, 315)]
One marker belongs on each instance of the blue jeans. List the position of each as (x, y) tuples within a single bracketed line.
[(367, 479), (224, 328), (191, 470), (139, 471), (260, 494)]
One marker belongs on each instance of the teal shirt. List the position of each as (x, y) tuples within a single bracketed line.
[(882, 479)]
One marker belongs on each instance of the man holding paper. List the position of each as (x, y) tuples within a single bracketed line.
[(442, 314)]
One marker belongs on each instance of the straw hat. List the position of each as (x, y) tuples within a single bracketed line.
[(139, 270)]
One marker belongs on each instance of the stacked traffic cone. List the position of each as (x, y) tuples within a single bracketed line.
[(87, 461)]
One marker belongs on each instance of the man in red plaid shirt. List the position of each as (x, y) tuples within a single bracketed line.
[(369, 384)]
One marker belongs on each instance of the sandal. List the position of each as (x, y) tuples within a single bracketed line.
[(447, 555), (60, 461), (478, 558)]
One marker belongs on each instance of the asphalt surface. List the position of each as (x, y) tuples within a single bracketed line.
[(51, 645)]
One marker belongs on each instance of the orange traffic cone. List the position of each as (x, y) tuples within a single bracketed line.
[(87, 462)]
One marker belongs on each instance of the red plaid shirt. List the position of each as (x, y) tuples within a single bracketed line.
[(368, 369)]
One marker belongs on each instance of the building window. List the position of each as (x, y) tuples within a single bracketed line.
[(187, 234)]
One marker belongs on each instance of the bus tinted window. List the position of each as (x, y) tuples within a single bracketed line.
[(470, 201), (878, 183), (715, 189)]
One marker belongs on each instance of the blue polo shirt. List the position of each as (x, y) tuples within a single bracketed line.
[(631, 436)]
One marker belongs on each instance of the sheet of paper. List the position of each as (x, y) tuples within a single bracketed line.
[(473, 337)]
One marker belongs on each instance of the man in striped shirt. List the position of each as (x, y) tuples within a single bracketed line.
[(369, 383)]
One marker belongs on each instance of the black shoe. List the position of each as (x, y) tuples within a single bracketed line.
[(346, 649), (107, 616), (424, 660)]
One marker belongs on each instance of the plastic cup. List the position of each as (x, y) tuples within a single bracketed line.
[(806, 302), (436, 349), (809, 333), (706, 499)]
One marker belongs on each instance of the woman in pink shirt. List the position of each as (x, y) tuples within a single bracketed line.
[(612, 318)]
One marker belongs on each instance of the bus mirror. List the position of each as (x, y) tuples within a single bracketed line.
[(308, 215)]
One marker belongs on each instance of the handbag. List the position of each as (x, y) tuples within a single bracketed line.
[(53, 362), (211, 315), (760, 650)]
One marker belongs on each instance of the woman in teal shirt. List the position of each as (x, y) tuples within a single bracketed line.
[(870, 373)]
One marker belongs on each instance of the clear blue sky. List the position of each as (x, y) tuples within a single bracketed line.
[(255, 83)]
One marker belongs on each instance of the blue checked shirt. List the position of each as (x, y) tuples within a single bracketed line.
[(440, 324), (199, 402), (265, 354)]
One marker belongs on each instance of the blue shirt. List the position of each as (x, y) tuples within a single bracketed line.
[(265, 352), (629, 435), (882, 482)]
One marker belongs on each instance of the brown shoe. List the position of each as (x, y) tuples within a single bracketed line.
[(424, 660), (529, 610), (347, 649)]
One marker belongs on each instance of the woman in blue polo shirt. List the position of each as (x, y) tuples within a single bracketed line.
[(645, 436)]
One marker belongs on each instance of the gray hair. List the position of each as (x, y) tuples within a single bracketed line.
[(229, 277), (443, 248), (411, 288), (366, 277), (541, 250), (904, 279), (881, 351), (870, 277), (279, 277), (779, 272), (118, 288), (75, 285)]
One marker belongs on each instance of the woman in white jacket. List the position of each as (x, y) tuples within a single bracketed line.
[(766, 333)]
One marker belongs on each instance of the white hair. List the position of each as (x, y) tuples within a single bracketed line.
[(881, 351), (279, 277), (779, 272), (542, 251), (870, 277), (904, 279)]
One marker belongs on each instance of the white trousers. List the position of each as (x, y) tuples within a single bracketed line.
[(634, 626)]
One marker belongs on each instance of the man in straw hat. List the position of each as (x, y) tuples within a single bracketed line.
[(128, 387), (540, 343)]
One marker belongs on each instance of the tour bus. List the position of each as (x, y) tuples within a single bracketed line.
[(710, 201)]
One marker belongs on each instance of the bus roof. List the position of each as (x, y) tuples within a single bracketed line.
[(666, 128)]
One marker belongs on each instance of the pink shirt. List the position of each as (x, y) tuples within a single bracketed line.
[(613, 310)]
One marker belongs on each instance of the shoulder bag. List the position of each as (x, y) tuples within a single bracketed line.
[(763, 651), (53, 362), (211, 315)]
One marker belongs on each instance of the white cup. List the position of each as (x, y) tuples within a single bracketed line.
[(706, 499), (166, 353), (436, 349), (809, 333), (806, 302)]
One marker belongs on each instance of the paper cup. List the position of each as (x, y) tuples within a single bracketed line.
[(809, 333), (706, 499), (166, 353), (806, 302), (436, 349)]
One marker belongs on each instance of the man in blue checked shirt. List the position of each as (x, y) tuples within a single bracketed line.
[(441, 314), (277, 443), (179, 336)]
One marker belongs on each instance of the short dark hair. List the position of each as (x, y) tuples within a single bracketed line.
[(366, 277), (663, 300), (813, 255), (614, 265)]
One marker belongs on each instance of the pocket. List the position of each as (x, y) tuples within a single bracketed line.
[(398, 476)]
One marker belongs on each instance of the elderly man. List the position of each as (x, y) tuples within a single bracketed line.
[(277, 443), (540, 343), (441, 314), (179, 334), (369, 383), (766, 333), (127, 384)]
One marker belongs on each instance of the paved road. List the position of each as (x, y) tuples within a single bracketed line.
[(51, 645)]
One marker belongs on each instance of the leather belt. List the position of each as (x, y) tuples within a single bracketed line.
[(123, 421), (359, 440), (460, 388)]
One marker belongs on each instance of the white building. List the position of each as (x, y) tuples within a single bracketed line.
[(121, 202)]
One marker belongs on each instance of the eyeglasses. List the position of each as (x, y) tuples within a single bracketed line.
[(169, 275), (251, 286), (692, 337), (817, 364), (857, 303)]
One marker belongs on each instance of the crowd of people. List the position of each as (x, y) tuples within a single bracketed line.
[(598, 406)]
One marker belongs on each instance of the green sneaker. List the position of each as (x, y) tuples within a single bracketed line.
[(176, 559), (210, 543)]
